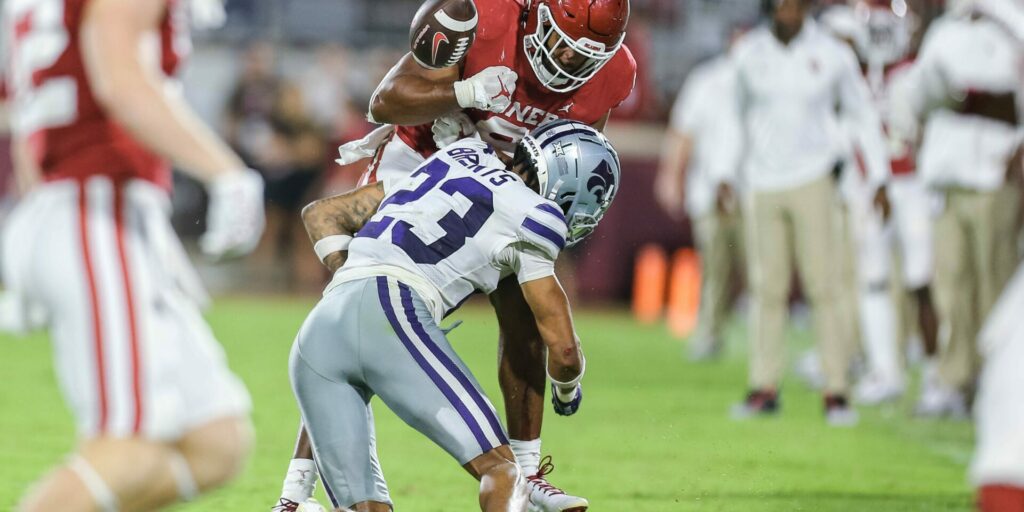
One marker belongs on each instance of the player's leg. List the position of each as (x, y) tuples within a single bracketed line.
[(501, 480), (769, 266), (326, 375), (877, 312), (912, 219), (954, 297), (711, 232), (419, 376), (997, 468), (815, 224)]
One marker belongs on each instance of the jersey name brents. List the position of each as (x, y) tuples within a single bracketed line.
[(458, 225), (69, 134)]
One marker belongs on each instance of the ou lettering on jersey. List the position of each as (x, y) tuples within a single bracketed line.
[(499, 42)]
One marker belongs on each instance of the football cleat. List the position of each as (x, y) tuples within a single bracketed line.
[(874, 390), (287, 505), (759, 402), (545, 497), (567, 408), (940, 401), (838, 412)]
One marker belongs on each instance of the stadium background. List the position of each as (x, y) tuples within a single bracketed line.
[(654, 434)]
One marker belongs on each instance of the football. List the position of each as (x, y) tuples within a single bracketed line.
[(442, 32)]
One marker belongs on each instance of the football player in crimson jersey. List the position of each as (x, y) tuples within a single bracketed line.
[(160, 417), (532, 61)]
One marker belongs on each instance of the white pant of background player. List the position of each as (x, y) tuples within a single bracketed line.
[(910, 232), (133, 356)]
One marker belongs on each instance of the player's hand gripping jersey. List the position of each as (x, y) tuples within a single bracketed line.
[(458, 225)]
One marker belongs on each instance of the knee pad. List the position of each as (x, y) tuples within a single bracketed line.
[(102, 495)]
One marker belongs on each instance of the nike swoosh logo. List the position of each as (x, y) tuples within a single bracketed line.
[(438, 39)]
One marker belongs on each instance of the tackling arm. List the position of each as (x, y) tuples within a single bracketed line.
[(341, 217), (411, 94), (550, 308)]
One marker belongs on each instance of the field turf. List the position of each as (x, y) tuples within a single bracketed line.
[(653, 434)]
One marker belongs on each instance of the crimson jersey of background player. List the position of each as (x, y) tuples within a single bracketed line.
[(67, 132), (513, 34)]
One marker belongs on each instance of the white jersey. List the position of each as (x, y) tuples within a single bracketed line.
[(458, 225)]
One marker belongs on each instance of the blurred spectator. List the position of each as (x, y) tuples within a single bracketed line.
[(252, 102), (790, 78), (292, 164), (697, 172), (964, 88)]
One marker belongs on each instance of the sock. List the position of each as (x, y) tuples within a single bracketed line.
[(878, 327), (300, 481), (527, 455)]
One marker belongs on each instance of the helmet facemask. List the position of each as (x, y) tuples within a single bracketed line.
[(548, 38)]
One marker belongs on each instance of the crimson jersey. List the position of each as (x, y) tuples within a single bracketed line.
[(499, 42), (68, 133)]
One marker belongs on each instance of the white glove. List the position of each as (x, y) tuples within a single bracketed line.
[(452, 127), (490, 89), (207, 14), (234, 218)]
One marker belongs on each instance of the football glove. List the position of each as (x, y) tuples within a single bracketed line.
[(235, 217), (490, 89), (452, 127), (566, 408)]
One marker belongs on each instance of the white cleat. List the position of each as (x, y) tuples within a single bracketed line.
[(874, 390), (939, 401), (287, 505), (545, 497)]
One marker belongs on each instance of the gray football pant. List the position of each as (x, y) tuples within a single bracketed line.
[(375, 336)]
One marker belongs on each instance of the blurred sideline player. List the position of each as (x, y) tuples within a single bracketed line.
[(532, 62), (385, 303), (964, 88), (997, 469), (159, 415), (697, 173), (882, 41)]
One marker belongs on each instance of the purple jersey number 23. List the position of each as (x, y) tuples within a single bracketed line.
[(457, 228)]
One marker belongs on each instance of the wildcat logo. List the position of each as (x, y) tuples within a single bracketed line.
[(602, 182)]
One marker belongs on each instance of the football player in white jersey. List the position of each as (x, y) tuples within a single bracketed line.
[(881, 38), (409, 253)]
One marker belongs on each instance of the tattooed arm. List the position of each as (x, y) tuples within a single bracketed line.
[(343, 214)]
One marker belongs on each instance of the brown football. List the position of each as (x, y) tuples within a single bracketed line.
[(442, 32)]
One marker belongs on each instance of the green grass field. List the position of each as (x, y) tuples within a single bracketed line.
[(653, 434)]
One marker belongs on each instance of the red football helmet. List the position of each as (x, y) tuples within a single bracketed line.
[(592, 29)]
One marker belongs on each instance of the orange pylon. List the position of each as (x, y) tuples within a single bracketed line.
[(684, 293), (649, 278)]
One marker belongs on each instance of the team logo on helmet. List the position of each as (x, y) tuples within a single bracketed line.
[(601, 181)]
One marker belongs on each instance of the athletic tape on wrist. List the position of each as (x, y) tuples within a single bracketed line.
[(572, 383), (330, 245), (464, 93), (188, 489)]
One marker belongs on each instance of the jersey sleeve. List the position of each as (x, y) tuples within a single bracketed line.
[(527, 262), (623, 78), (544, 228)]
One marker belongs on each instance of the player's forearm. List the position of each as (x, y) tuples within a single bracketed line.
[(340, 216), (412, 100), (134, 94), (551, 311)]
